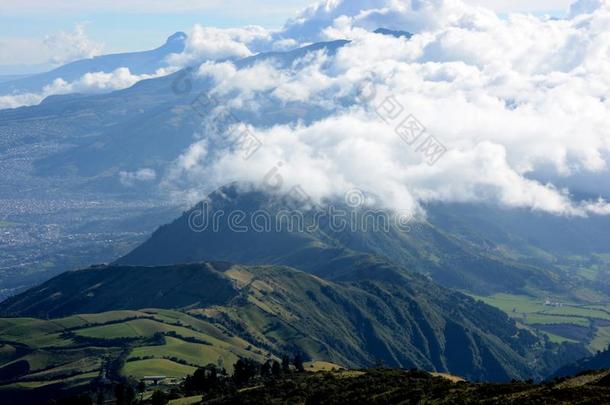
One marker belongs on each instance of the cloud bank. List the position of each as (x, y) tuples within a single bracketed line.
[(519, 102)]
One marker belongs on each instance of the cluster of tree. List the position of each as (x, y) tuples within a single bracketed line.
[(247, 370), (213, 380)]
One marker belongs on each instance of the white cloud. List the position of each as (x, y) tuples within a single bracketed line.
[(414, 16), (510, 98), (58, 48), (515, 100), (70, 46), (528, 6), (95, 82), (128, 179), (207, 43)]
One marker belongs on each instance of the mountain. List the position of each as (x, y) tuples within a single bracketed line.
[(84, 142), (149, 125), (288, 57), (324, 292), (372, 314), (425, 248), (573, 249), (138, 63)]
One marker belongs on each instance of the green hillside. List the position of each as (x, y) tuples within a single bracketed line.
[(458, 247), (371, 313), (74, 352)]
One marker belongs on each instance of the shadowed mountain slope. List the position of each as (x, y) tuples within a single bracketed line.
[(100, 289), (422, 248)]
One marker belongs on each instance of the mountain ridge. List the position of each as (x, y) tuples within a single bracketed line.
[(141, 62)]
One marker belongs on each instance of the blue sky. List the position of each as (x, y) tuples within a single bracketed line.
[(144, 24)]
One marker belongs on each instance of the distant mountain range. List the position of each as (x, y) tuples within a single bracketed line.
[(146, 62), (147, 125)]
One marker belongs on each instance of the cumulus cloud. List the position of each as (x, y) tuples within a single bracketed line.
[(70, 46), (208, 43), (519, 102), (415, 15)]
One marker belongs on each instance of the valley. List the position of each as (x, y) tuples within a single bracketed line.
[(560, 321)]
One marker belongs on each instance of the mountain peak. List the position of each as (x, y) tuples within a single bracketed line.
[(178, 37)]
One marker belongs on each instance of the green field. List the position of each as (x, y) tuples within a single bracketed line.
[(534, 312), (153, 367), (54, 355)]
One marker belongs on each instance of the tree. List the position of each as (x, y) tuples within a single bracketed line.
[(124, 394), (276, 369), (159, 398), (130, 395), (205, 379), (298, 363), (266, 369), (119, 394), (286, 363), (141, 389), (245, 370)]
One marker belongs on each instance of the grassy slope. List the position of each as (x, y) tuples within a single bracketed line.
[(140, 369), (53, 357), (378, 312), (358, 323)]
